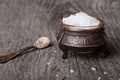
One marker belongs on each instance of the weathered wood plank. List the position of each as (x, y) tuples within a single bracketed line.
[(108, 11), (30, 18), (23, 21)]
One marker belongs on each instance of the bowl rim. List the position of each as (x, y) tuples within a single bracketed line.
[(77, 28)]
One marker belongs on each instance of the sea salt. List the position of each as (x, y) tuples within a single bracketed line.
[(56, 75), (104, 72), (71, 71), (99, 78), (48, 63), (55, 51), (93, 69), (81, 19)]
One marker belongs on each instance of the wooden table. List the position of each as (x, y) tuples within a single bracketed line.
[(23, 21)]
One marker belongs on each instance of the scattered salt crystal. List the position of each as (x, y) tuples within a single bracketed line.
[(56, 75), (48, 63), (93, 69), (71, 71), (81, 19), (104, 72), (99, 78), (55, 51)]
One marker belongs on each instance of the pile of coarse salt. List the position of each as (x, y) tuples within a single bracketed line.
[(81, 19)]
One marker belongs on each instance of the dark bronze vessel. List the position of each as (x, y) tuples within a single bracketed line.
[(81, 40)]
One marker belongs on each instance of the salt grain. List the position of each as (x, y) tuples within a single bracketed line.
[(81, 19), (48, 63), (56, 75), (55, 51), (99, 78), (71, 71), (104, 72), (93, 69)]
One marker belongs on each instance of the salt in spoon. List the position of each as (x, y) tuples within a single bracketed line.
[(40, 43)]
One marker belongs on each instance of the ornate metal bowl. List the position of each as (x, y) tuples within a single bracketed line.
[(82, 40)]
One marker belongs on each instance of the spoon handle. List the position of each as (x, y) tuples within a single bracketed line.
[(7, 57)]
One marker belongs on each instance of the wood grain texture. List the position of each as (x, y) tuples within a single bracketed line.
[(23, 21)]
